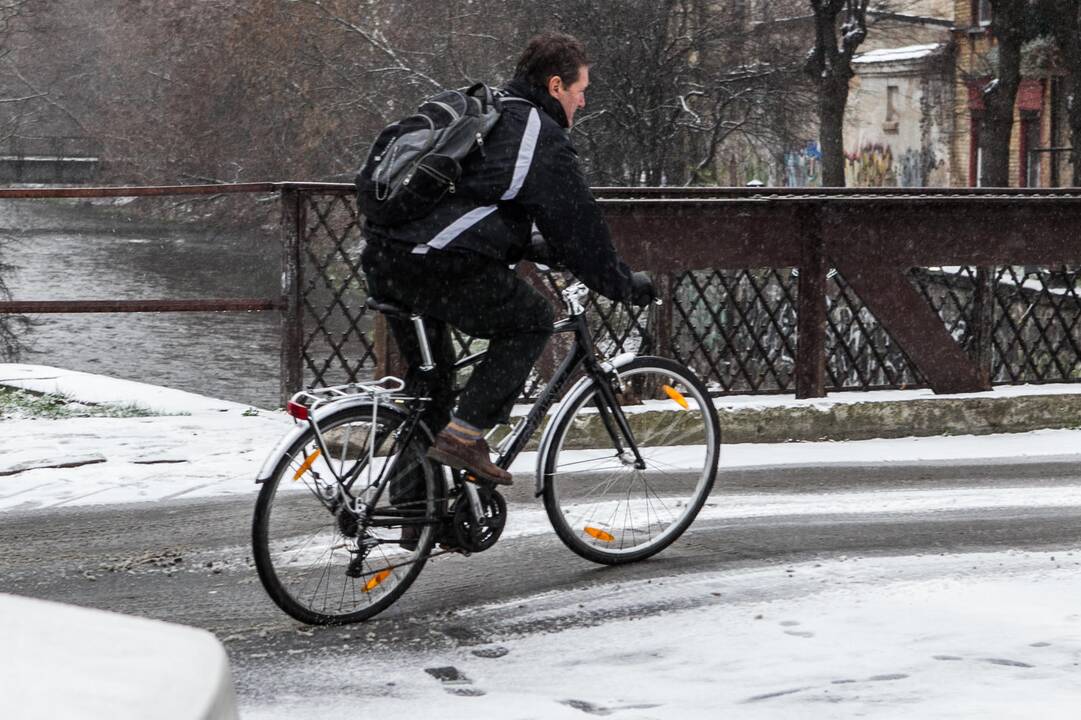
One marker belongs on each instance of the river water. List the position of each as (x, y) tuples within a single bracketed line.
[(75, 250)]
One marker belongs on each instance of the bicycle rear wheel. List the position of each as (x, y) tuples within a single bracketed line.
[(604, 504), (312, 559)]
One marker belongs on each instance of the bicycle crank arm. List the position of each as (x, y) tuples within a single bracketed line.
[(475, 504)]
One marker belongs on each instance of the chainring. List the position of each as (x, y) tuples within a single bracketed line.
[(477, 537)]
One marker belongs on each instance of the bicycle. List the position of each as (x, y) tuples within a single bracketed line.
[(350, 509)]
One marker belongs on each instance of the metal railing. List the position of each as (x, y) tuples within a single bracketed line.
[(22, 147), (767, 290)]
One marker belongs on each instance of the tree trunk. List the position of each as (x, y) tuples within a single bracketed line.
[(829, 66), (1066, 29), (1000, 95), (832, 100), (1074, 120)]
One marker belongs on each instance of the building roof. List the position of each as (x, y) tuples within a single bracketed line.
[(900, 54)]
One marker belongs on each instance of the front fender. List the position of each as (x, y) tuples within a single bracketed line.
[(564, 407), (266, 472)]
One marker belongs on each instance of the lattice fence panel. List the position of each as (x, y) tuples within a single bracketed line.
[(860, 354), (951, 292), (737, 328), (1036, 336), (337, 346)]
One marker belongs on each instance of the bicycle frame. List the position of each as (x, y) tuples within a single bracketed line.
[(580, 354)]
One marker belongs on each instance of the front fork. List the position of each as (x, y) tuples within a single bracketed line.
[(615, 420)]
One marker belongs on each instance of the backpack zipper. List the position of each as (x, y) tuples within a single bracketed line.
[(434, 173)]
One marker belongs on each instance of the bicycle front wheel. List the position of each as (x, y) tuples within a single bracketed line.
[(316, 561), (610, 504)]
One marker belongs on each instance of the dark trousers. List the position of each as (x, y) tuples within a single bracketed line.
[(479, 296)]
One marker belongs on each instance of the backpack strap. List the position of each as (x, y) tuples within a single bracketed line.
[(484, 94)]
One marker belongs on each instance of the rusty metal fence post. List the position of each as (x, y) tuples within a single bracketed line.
[(292, 340), (663, 317), (811, 314), (983, 311)]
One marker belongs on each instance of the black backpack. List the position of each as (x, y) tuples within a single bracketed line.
[(416, 161)]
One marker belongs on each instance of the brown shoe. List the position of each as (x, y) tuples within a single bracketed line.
[(472, 456)]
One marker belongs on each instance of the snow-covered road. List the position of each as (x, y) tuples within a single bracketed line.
[(928, 578), (988, 635)]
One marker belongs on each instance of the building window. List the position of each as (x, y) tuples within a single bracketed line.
[(981, 12), (893, 114), (1031, 157), (975, 153)]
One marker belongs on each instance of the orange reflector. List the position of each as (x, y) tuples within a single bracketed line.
[(600, 534), (376, 580), (307, 464), (677, 396)]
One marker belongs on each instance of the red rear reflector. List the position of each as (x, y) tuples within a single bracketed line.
[(297, 410)]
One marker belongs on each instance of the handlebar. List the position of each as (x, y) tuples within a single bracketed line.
[(540, 254)]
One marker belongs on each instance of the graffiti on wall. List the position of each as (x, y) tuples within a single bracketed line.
[(874, 165), (802, 167), (917, 168)]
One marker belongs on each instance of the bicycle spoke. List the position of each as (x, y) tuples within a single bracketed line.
[(606, 509), (307, 555)]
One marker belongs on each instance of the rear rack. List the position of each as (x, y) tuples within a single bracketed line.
[(312, 398)]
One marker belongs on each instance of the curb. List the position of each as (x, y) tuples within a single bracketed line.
[(895, 419), (839, 417)]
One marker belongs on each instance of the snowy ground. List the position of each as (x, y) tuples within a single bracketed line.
[(993, 635)]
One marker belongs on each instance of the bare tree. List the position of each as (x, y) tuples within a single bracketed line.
[(12, 327), (1061, 19), (673, 86), (840, 27), (1009, 26)]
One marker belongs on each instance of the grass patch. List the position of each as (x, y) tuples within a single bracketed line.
[(18, 404)]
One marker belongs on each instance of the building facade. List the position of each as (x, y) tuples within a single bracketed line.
[(1039, 146)]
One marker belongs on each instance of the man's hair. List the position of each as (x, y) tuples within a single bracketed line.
[(551, 54)]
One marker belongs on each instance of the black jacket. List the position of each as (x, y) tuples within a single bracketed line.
[(528, 174)]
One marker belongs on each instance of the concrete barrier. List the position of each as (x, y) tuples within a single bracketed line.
[(864, 415)]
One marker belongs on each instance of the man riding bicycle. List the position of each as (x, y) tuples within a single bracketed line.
[(453, 265)]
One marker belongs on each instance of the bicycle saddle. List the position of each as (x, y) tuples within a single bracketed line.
[(388, 308)]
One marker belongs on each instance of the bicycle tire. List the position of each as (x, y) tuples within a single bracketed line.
[(296, 534), (589, 486)]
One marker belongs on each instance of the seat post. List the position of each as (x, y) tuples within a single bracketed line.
[(427, 362)]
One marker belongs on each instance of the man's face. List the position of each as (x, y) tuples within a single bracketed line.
[(572, 97)]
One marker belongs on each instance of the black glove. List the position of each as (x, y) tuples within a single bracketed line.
[(642, 290)]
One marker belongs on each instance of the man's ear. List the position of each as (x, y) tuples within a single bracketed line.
[(555, 85)]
